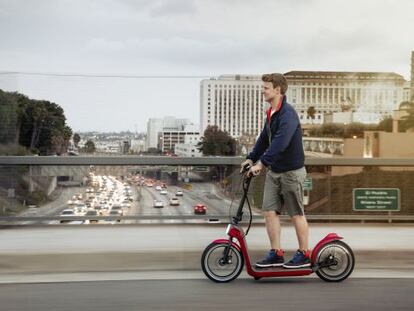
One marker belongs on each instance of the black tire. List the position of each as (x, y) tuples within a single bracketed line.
[(209, 263), (345, 257)]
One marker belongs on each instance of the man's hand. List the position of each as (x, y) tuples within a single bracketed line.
[(256, 169), (248, 161)]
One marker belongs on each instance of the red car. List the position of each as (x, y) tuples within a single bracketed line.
[(200, 209)]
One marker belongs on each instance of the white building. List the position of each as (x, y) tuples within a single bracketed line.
[(188, 136), (235, 104), (329, 92), (156, 126), (189, 147), (232, 102)]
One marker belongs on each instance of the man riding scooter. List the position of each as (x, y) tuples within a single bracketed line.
[(279, 148)]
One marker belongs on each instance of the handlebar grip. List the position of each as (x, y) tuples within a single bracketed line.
[(246, 167)]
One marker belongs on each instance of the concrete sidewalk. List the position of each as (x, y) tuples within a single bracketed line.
[(58, 250)]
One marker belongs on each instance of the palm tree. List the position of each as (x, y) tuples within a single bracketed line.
[(76, 139)]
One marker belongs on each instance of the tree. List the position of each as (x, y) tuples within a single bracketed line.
[(328, 130), (40, 125), (311, 113), (217, 142), (356, 129), (8, 118), (76, 139), (407, 121), (89, 146)]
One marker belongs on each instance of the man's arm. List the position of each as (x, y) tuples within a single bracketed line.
[(260, 147), (281, 140)]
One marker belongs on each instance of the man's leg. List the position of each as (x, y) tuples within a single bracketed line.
[(292, 185), (272, 221), (271, 204), (302, 231)]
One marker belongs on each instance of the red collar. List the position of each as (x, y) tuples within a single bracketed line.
[(269, 111)]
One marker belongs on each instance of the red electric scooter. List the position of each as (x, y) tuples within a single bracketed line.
[(222, 261)]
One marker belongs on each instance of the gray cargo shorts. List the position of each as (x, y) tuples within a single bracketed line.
[(284, 191)]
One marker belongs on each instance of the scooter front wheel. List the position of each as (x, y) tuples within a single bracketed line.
[(218, 268), (335, 261)]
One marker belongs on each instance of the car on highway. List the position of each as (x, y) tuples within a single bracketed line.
[(158, 188), (174, 201), (118, 208), (65, 213), (90, 214), (115, 213), (179, 193), (163, 192), (158, 204), (200, 209)]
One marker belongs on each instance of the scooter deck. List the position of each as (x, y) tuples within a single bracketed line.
[(279, 271)]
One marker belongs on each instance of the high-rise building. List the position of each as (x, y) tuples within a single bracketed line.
[(154, 126), (232, 102)]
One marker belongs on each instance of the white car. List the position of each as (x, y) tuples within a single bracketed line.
[(174, 201), (179, 193), (158, 188), (158, 204), (164, 192)]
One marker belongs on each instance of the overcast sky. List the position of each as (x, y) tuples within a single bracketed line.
[(186, 38)]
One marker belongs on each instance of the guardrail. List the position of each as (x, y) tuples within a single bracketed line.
[(211, 218), (204, 161)]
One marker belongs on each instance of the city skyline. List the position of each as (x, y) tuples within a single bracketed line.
[(176, 43)]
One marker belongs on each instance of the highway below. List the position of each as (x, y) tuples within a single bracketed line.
[(142, 203)]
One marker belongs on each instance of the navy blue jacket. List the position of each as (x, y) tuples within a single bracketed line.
[(285, 152)]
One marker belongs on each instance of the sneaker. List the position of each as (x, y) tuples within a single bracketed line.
[(273, 259), (300, 260)]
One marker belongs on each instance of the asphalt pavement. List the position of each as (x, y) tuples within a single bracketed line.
[(242, 294)]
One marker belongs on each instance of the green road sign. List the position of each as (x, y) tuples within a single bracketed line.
[(307, 184), (376, 199)]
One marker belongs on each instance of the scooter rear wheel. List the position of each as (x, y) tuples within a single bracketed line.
[(336, 261), (216, 268)]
